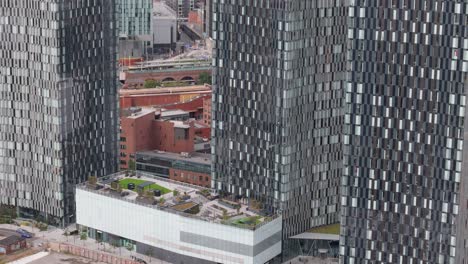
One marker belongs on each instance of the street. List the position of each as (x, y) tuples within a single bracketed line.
[(54, 234)]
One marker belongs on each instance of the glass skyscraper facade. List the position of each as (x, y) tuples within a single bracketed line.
[(405, 188), (134, 17), (181, 7), (279, 69), (58, 101)]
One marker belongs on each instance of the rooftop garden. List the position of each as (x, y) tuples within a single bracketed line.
[(247, 221), (327, 229), (124, 185)]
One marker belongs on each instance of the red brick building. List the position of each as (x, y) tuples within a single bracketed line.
[(161, 96), (156, 129), (207, 111), (11, 244), (195, 106), (136, 79)]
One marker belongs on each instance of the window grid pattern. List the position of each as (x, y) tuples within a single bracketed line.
[(134, 17), (58, 101), (277, 110), (402, 190)]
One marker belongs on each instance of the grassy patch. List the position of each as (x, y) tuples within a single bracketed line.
[(7, 214), (328, 229), (124, 184), (248, 221)]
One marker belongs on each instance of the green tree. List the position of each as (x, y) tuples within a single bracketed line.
[(151, 84), (92, 180), (204, 77), (131, 165), (83, 236)]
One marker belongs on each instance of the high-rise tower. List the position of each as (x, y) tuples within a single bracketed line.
[(405, 189), (277, 106), (134, 17), (58, 101)]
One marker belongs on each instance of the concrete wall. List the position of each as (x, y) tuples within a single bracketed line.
[(164, 30), (176, 233)]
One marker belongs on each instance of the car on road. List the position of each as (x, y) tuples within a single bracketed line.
[(24, 233)]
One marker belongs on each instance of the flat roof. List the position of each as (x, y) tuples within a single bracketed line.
[(161, 10), (180, 124), (139, 113), (211, 207), (164, 91), (175, 112), (195, 157), (10, 240), (333, 229), (325, 232)]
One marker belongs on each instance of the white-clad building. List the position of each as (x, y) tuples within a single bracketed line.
[(164, 25), (187, 232)]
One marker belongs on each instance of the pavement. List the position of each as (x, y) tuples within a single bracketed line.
[(57, 258), (311, 260), (54, 234)]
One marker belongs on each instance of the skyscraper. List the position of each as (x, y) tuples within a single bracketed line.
[(134, 17), (58, 102), (279, 67), (181, 7), (404, 193)]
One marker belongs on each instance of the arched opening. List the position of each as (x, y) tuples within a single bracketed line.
[(168, 79), (187, 79)]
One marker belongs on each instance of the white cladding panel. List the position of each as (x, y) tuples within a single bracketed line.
[(162, 229)]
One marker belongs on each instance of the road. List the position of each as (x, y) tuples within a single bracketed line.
[(54, 234), (6, 232)]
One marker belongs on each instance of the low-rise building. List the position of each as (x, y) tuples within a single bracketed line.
[(161, 96), (157, 129), (182, 224), (11, 244), (193, 168)]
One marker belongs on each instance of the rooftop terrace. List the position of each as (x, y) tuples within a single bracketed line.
[(178, 198)]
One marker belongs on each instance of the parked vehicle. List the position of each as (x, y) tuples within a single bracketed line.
[(24, 233)]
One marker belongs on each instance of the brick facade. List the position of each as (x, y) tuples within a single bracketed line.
[(207, 111), (161, 96), (137, 79), (142, 131), (200, 179)]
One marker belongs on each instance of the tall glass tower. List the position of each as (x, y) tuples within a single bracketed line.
[(58, 102), (279, 68), (405, 188), (134, 17)]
